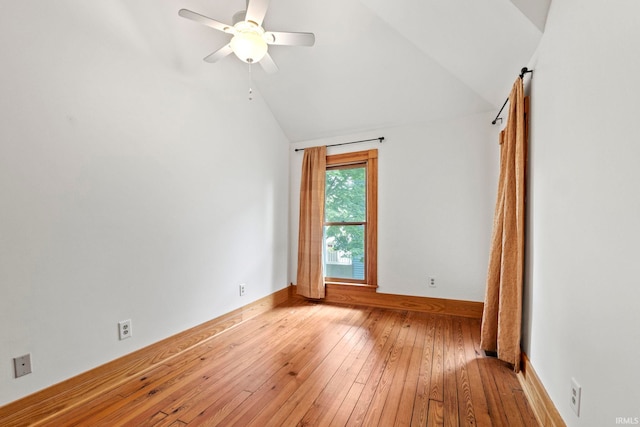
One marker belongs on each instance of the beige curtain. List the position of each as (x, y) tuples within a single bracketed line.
[(502, 317), (310, 280)]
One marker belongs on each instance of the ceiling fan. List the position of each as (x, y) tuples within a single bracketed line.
[(250, 41)]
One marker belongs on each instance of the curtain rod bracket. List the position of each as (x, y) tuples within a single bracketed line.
[(523, 71)]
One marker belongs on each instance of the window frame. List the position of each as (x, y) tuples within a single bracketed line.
[(370, 159)]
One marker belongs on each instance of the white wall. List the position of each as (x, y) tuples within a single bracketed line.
[(437, 189), (126, 193), (583, 286)]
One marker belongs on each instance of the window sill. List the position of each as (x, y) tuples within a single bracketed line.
[(352, 286)]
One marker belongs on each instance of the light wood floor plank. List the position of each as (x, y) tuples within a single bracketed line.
[(486, 367), (423, 389), (509, 392), (396, 377), (478, 398), (437, 364), (451, 400), (435, 417), (466, 413), (409, 391), (528, 417)]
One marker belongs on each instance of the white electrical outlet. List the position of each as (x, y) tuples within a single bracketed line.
[(242, 289), (432, 282), (576, 391), (124, 329)]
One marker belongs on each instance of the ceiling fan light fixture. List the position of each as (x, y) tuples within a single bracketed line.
[(249, 46), (249, 40)]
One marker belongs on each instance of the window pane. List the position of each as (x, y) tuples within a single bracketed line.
[(346, 195), (344, 251)]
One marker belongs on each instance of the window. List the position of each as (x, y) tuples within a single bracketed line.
[(350, 228)]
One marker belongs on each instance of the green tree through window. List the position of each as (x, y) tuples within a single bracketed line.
[(345, 221)]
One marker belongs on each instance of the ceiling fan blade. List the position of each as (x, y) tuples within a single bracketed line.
[(186, 13), (218, 54), (290, 39), (256, 10), (267, 64)]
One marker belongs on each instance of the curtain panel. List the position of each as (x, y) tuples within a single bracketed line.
[(502, 316), (310, 279)]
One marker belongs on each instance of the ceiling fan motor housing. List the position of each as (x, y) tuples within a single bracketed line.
[(238, 17)]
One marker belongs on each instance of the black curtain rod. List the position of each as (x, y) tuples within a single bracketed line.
[(524, 71), (380, 138)]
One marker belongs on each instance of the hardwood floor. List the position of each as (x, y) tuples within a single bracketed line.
[(310, 364)]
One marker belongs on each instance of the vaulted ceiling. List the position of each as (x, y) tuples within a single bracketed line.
[(376, 63)]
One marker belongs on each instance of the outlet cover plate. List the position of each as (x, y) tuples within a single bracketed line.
[(22, 365), (576, 391), (124, 329)]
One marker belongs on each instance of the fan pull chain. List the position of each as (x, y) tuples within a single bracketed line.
[(250, 83)]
